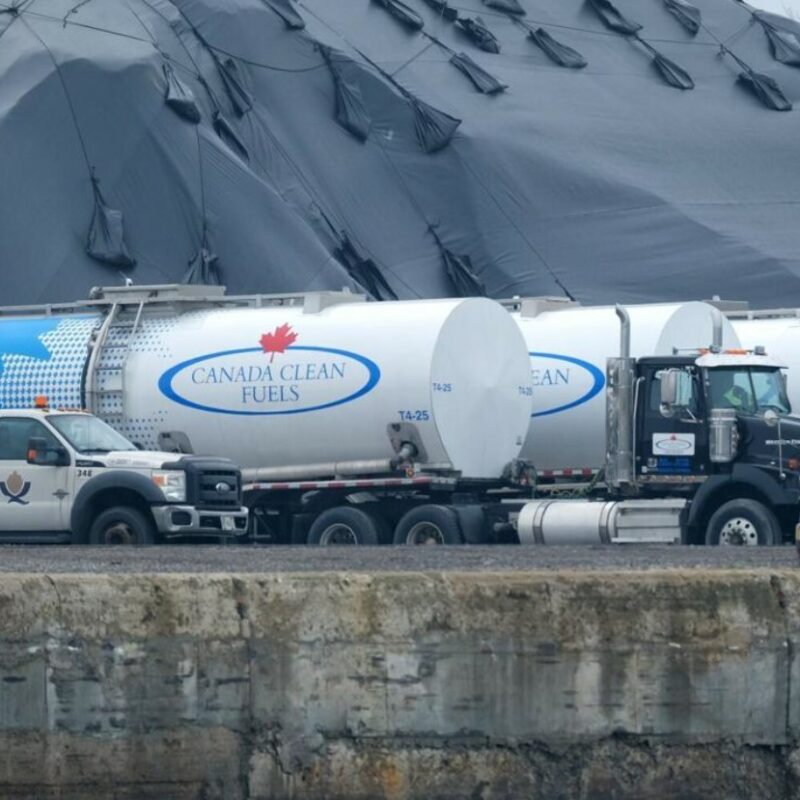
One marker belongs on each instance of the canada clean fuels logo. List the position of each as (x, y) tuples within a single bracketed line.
[(243, 382)]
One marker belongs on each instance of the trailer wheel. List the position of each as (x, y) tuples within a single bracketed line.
[(428, 525), (342, 526), (121, 525), (744, 523)]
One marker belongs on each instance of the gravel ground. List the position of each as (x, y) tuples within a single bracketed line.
[(242, 558)]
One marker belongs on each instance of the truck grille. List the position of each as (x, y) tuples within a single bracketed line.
[(211, 492)]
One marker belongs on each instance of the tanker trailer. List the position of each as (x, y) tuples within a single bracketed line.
[(353, 422), (779, 333), (696, 438)]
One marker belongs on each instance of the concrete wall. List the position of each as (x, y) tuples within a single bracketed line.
[(551, 685)]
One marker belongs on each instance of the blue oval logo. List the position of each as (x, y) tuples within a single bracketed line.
[(248, 382), (589, 381)]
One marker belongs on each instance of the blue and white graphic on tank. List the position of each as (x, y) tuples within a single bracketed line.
[(45, 356), (562, 382)]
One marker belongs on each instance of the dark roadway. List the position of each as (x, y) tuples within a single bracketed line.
[(241, 558)]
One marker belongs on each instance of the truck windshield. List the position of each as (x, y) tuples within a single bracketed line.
[(747, 389), (88, 434)]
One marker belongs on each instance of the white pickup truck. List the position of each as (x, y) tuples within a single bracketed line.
[(66, 476)]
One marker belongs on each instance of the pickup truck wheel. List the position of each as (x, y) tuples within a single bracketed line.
[(121, 525), (432, 524), (343, 525), (744, 523)]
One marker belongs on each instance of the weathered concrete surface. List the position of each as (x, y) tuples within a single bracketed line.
[(322, 685)]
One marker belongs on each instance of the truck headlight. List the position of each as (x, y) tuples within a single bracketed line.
[(172, 483)]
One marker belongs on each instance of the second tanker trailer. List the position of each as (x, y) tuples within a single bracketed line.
[(683, 413)]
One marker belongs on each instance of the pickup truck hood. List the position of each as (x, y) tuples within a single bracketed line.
[(135, 459)]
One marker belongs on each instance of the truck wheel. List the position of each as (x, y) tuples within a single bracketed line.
[(743, 522), (343, 525), (428, 525), (121, 525)]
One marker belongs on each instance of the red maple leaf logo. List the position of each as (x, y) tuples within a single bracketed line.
[(278, 340)]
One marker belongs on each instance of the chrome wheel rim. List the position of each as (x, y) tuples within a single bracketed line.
[(425, 533), (738, 532), (119, 533), (338, 534)]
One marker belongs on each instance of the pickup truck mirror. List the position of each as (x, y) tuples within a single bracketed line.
[(45, 455)]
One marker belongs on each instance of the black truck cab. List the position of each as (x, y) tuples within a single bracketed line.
[(716, 427)]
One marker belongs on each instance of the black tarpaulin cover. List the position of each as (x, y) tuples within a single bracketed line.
[(350, 111), (556, 51), (688, 15), (179, 97), (509, 6), (227, 133), (483, 81), (363, 270), (673, 74), (443, 9), (765, 89), (613, 18), (434, 128), (481, 35), (604, 183), (203, 268), (287, 12), (783, 35), (239, 97), (459, 270), (404, 13), (106, 240)]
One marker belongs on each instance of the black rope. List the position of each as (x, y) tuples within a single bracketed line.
[(74, 10), (70, 105)]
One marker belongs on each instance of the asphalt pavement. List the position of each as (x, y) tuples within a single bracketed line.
[(236, 558)]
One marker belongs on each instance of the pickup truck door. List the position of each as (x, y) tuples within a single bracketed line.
[(33, 498)]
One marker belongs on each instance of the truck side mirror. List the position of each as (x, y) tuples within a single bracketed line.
[(43, 455), (669, 391)]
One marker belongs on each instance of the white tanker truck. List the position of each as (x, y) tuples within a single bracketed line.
[(353, 422), (359, 422)]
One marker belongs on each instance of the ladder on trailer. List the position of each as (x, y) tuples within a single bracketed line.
[(105, 373)]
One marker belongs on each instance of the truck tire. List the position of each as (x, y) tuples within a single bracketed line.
[(121, 525), (743, 522), (431, 524), (344, 525)]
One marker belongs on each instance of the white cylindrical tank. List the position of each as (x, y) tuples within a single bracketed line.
[(568, 350), (780, 336), (277, 386)]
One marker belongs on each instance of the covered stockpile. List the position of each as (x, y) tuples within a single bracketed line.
[(626, 151)]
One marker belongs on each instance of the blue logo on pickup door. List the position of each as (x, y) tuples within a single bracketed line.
[(248, 383), (562, 382)]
